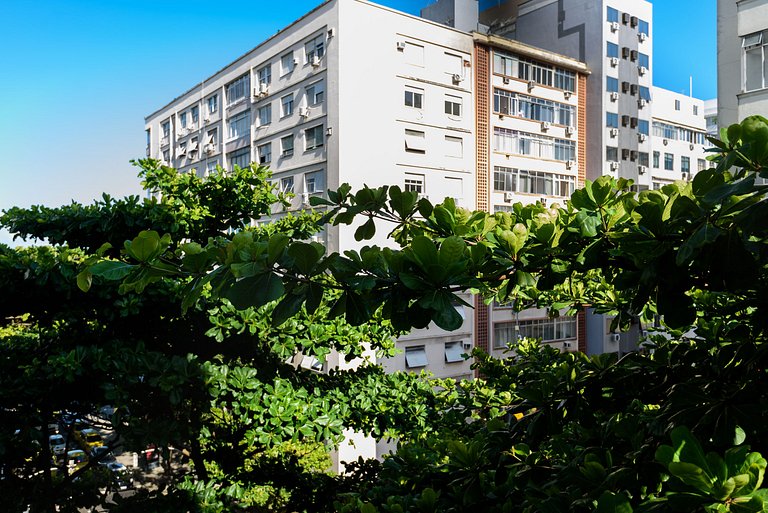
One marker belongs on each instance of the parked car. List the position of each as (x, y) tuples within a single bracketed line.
[(102, 454), (58, 444), (89, 438), (121, 477), (76, 459)]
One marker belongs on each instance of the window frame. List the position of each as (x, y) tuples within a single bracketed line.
[(318, 137)]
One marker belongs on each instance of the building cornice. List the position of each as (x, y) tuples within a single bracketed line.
[(531, 51)]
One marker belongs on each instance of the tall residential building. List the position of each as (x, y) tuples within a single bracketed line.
[(742, 59)]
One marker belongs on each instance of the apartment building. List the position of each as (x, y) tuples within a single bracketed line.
[(742, 59)]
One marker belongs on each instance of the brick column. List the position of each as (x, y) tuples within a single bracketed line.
[(581, 117)]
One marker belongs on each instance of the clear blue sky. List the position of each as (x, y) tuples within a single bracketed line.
[(78, 77)]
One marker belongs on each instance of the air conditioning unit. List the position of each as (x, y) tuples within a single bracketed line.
[(304, 112), (401, 45), (567, 94), (690, 146), (641, 103), (315, 61), (531, 85), (641, 137), (206, 120), (614, 96), (615, 337), (641, 169), (331, 32), (614, 61), (614, 165), (295, 62), (263, 89), (567, 344), (509, 196), (685, 176), (569, 131), (304, 199), (456, 78), (467, 346), (570, 164), (543, 201), (642, 36), (209, 148), (665, 141), (615, 26), (642, 70), (633, 21), (505, 80), (545, 126), (614, 132)]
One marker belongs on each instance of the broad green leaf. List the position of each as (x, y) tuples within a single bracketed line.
[(365, 231), (305, 256), (84, 280), (111, 270), (610, 502), (255, 290)]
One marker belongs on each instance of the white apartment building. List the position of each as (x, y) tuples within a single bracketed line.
[(742, 59), (679, 131)]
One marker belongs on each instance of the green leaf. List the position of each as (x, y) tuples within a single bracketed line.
[(365, 231), (610, 502), (84, 280), (111, 270), (145, 246), (255, 291), (287, 308), (305, 256), (276, 246)]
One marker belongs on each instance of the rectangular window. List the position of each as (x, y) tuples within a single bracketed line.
[(645, 93), (414, 97), (685, 164), (314, 137), (414, 183), (643, 158), (181, 151), (315, 93), (213, 103), (286, 184), (212, 137), (695, 110), (755, 60), (453, 64), (166, 131), (669, 162), (702, 164), (210, 167), (183, 120), (454, 147), (612, 119), (286, 64), (611, 84), (643, 60), (504, 179), (415, 357), (166, 157), (612, 15), (548, 330), (193, 147), (565, 80), (414, 54), (612, 50), (315, 49), (238, 89), (643, 127), (643, 27), (454, 352), (677, 104), (453, 105), (265, 153), (656, 156), (195, 113), (504, 64), (240, 158), (611, 153), (314, 182), (503, 102), (286, 146), (286, 105), (265, 114), (265, 74), (415, 141), (240, 125)]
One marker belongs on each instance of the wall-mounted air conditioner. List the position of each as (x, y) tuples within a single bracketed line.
[(467, 346), (642, 169), (665, 141), (304, 199), (613, 132), (615, 26), (614, 165), (569, 131), (304, 112), (690, 147), (642, 70), (456, 78), (641, 137), (295, 62), (567, 344), (505, 80), (545, 125), (400, 45), (543, 201), (331, 32), (642, 36), (641, 103), (531, 85), (263, 89), (614, 96), (615, 337), (315, 61), (206, 120), (209, 148), (614, 61), (509, 197), (567, 95), (421, 196), (570, 164), (685, 176)]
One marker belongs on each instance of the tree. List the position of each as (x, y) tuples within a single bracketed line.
[(554, 432)]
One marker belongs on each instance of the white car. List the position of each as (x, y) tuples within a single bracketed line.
[(58, 444)]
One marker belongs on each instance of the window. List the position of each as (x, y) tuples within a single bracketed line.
[(453, 352), (239, 158), (265, 74), (695, 110), (656, 156), (414, 54), (611, 84), (314, 182), (677, 104), (533, 145), (755, 60), (669, 162), (195, 113), (504, 64), (612, 119), (548, 330), (315, 49), (645, 93), (213, 103), (166, 130), (611, 153), (612, 15), (685, 164), (415, 141), (183, 120), (643, 60), (313, 137), (507, 179), (633, 89), (414, 97), (454, 64), (454, 147), (238, 89), (415, 357), (193, 147), (414, 183), (565, 80), (315, 93), (504, 179), (612, 50), (643, 127), (625, 154), (702, 164), (624, 120), (240, 125), (643, 27), (286, 105), (286, 184), (624, 52), (265, 114), (182, 150), (537, 109), (166, 156), (265, 153), (503, 101), (286, 64), (643, 158), (212, 137), (286, 146), (210, 166), (453, 105)]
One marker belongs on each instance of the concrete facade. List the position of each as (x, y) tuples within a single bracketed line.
[(742, 59)]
